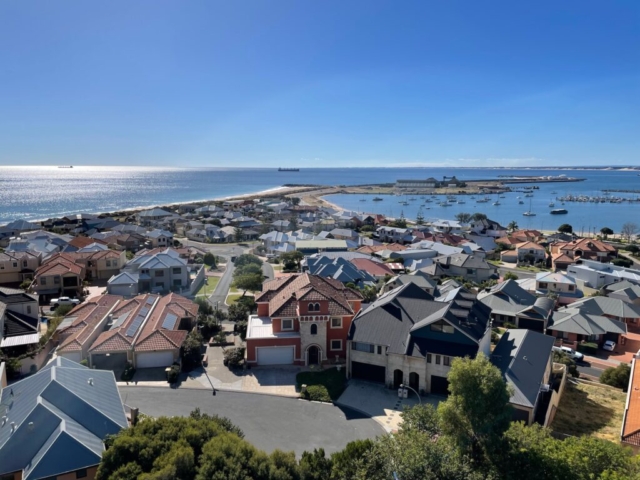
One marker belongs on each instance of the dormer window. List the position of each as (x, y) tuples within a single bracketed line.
[(314, 307), (442, 326)]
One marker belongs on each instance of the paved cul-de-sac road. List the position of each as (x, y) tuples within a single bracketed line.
[(268, 422)]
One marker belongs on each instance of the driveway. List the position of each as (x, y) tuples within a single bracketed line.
[(268, 422), (380, 403)]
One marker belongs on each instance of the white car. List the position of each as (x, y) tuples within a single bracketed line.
[(569, 352), (56, 302), (609, 345)]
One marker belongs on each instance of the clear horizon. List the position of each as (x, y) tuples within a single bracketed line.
[(327, 84)]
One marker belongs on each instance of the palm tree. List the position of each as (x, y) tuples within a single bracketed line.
[(513, 225)]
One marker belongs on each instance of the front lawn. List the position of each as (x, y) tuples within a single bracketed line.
[(587, 409), (208, 286), (323, 385)]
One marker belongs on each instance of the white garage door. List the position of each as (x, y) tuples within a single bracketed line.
[(75, 356), (154, 359), (275, 356)]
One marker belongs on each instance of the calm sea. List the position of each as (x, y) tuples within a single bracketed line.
[(43, 192)]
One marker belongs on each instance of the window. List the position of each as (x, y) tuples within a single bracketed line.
[(24, 263), (571, 288), (177, 282), (314, 329), (446, 361), (379, 350), (176, 271), (428, 358), (336, 323), (108, 263), (82, 473), (336, 345), (543, 285), (28, 308), (469, 271), (56, 280), (442, 326), (43, 281), (362, 347), (437, 359), (287, 324), (159, 273), (15, 264)]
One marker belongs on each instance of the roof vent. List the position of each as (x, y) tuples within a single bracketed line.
[(90, 381), (13, 427), (30, 425)]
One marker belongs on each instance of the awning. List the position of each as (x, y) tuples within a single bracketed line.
[(20, 340)]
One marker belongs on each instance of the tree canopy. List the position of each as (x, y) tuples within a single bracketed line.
[(565, 228), (463, 217)]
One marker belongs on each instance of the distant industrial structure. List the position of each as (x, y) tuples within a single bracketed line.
[(428, 184)]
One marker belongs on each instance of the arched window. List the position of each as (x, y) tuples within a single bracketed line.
[(314, 329), (312, 307), (317, 307)]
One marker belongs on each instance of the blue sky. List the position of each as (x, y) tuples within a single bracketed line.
[(320, 83)]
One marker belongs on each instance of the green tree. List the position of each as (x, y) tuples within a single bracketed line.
[(245, 259), (565, 228), (250, 281), (477, 412), (420, 217), (291, 260), (295, 200), (513, 226), (238, 234), (606, 231), (617, 376), (348, 462), (293, 221), (248, 269), (423, 418), (564, 359), (237, 312), (476, 217), (192, 350), (210, 259), (227, 457), (315, 465), (510, 276), (463, 217), (399, 222), (369, 293)]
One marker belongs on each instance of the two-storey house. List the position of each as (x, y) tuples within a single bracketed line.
[(58, 276), (16, 267), (18, 318), (408, 337), (159, 238), (302, 319)]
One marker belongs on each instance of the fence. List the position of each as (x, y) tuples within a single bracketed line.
[(32, 365)]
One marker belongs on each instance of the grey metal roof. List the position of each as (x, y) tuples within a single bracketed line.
[(507, 298), (522, 356), (392, 317), (57, 419), (575, 320), (607, 306)]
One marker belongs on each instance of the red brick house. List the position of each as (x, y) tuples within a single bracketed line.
[(582, 248), (303, 320)]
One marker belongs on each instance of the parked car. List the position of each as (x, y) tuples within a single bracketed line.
[(570, 352), (56, 302), (609, 345)]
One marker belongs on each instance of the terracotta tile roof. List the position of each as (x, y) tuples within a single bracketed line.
[(374, 268), (508, 240), (529, 245), (111, 341), (59, 265), (88, 316), (172, 304), (586, 245), (631, 425), (81, 242), (561, 258), (162, 340), (283, 294)]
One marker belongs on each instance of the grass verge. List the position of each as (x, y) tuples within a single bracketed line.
[(587, 409), (209, 286), (324, 385)]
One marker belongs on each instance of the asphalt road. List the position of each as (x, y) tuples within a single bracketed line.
[(268, 422), (587, 369), (267, 270), (520, 273), (220, 293)]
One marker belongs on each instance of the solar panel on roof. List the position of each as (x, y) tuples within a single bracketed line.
[(169, 322), (119, 321), (133, 328), (144, 311), (150, 300)]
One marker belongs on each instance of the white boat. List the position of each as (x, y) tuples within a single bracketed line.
[(496, 203), (529, 213), (552, 204)]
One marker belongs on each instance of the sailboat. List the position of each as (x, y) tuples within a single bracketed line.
[(497, 202), (529, 213)]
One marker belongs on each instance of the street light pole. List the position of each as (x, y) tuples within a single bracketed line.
[(402, 385)]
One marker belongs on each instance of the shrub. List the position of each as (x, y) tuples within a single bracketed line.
[(494, 337), (240, 328), (509, 325), (510, 276), (622, 262), (209, 259), (127, 374), (632, 248), (25, 285), (564, 359), (589, 348), (233, 357), (84, 363), (62, 310), (173, 373), (617, 376), (317, 393)]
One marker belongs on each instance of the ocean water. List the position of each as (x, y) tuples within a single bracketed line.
[(42, 192)]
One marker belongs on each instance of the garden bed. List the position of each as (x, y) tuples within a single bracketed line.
[(324, 385)]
